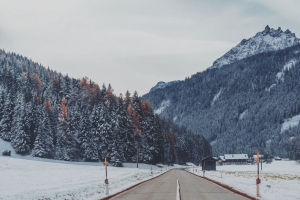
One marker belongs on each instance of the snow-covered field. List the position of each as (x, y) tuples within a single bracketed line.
[(279, 180), (33, 178)]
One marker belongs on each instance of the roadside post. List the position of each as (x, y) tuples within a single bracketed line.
[(203, 169), (258, 179), (151, 171), (261, 161), (106, 179)]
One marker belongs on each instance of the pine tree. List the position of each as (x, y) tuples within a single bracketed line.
[(43, 145), (118, 144), (66, 143), (125, 131), (2, 102), (5, 124), (105, 127), (20, 136), (93, 137)]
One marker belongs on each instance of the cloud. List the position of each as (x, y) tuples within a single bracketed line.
[(113, 41)]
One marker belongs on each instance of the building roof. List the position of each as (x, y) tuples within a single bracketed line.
[(222, 158), (236, 156), (209, 158)]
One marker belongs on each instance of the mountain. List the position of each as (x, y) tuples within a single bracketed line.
[(162, 84), (249, 104), (46, 114), (264, 41)]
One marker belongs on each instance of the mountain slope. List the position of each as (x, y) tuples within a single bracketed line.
[(240, 107), (162, 84)]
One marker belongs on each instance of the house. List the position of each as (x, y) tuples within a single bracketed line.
[(236, 158), (209, 163)]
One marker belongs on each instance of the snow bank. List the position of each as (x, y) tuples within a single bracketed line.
[(280, 179), (6, 146), (32, 179)]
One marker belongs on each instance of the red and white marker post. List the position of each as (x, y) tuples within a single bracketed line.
[(258, 179), (106, 179)]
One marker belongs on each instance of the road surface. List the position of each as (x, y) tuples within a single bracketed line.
[(191, 188)]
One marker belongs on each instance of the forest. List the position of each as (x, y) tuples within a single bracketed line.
[(49, 115), (241, 107)]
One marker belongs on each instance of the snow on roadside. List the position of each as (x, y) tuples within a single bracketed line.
[(32, 179), (280, 179)]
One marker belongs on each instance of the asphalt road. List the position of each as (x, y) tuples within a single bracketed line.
[(191, 188)]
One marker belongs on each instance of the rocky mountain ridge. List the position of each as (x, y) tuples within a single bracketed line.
[(267, 40)]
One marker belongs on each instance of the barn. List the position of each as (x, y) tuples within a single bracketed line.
[(209, 163), (236, 158)]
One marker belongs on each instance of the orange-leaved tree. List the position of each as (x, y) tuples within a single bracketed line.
[(63, 109), (47, 104), (135, 117)]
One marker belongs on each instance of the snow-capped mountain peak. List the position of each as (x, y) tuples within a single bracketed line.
[(267, 40)]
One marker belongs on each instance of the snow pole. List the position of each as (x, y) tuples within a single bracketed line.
[(261, 161), (151, 171), (106, 179), (258, 179), (137, 156)]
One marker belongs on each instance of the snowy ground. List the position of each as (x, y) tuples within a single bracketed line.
[(280, 179), (33, 178)]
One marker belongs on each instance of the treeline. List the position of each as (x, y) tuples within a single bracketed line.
[(241, 107), (48, 115)]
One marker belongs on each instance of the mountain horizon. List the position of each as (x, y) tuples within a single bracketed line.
[(247, 101)]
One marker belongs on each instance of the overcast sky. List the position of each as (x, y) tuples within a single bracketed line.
[(133, 44)]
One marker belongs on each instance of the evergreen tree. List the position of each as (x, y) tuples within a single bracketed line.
[(43, 145), (20, 136), (88, 147), (5, 124), (66, 143)]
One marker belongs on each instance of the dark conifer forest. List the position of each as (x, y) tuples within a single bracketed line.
[(49, 115), (250, 105)]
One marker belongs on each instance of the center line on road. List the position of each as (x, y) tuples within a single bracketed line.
[(178, 193)]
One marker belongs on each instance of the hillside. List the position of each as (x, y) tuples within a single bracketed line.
[(249, 105), (46, 114)]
